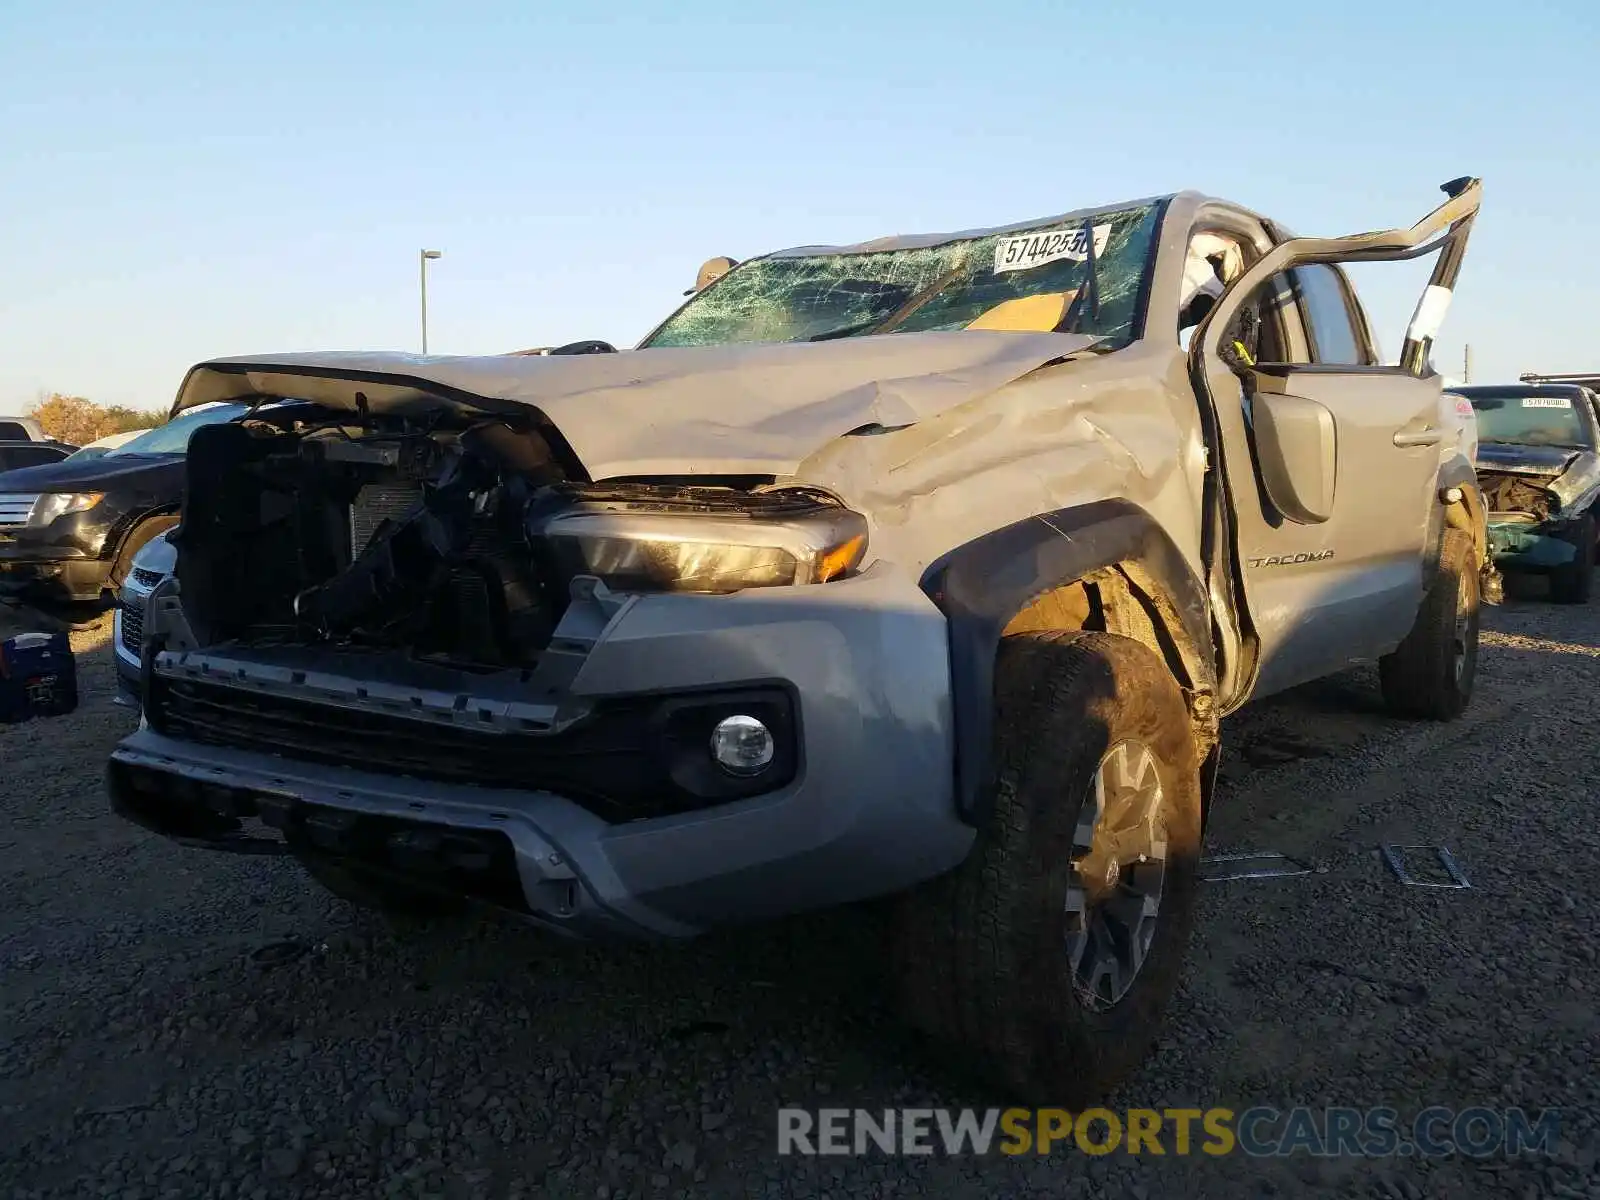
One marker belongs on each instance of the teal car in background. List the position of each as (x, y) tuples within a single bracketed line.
[(1538, 465)]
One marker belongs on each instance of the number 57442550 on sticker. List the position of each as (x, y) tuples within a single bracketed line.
[(1039, 247)]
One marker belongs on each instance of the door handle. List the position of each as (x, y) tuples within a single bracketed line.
[(1420, 437)]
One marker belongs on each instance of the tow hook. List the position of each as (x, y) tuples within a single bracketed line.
[(1203, 712), (1492, 588)]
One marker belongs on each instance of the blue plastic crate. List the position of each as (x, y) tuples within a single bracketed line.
[(38, 677)]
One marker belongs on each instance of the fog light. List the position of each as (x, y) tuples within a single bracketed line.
[(742, 745)]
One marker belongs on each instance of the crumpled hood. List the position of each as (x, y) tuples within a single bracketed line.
[(109, 472), (1541, 460), (758, 409), (1570, 477)]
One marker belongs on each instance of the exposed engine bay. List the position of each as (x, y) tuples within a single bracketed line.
[(455, 537), (1506, 495)]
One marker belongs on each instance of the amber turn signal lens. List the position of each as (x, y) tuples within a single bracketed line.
[(841, 559)]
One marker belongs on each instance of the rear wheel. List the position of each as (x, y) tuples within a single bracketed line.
[(1431, 673), (1572, 583), (1047, 959)]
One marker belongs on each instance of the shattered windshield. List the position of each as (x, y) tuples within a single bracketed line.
[(825, 296), (1530, 421)]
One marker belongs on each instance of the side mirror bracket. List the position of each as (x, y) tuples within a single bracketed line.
[(1297, 451)]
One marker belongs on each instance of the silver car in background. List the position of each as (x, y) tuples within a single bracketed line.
[(151, 565)]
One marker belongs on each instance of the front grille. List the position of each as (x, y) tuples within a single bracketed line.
[(606, 766), (14, 508), (147, 578), (632, 758), (133, 628)]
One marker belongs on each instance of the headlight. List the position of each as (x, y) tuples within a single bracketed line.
[(723, 549), (58, 504)]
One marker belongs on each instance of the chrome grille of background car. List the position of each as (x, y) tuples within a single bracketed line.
[(14, 508), (133, 628), (376, 503), (136, 591)]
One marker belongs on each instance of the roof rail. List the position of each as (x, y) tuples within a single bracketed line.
[(1581, 378)]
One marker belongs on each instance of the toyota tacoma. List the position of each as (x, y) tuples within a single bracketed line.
[(923, 568)]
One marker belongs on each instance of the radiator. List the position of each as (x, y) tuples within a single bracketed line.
[(376, 503)]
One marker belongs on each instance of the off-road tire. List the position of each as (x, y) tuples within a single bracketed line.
[(377, 892), (980, 954), (1574, 582), (1430, 674)]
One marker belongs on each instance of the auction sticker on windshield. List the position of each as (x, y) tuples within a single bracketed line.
[(1028, 250), (1546, 402)]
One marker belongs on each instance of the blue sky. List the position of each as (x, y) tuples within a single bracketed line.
[(182, 180)]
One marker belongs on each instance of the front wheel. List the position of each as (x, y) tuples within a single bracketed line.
[(1573, 582), (1431, 673), (1048, 957)]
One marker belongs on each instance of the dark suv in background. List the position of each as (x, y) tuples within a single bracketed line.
[(69, 529), (14, 455)]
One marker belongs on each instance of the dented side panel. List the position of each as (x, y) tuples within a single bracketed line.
[(1078, 467), (1123, 425)]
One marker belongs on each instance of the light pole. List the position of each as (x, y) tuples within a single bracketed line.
[(424, 256)]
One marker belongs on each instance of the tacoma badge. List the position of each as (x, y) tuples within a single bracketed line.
[(1290, 560)]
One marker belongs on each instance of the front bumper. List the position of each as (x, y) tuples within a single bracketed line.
[(68, 559), (870, 810), (63, 575)]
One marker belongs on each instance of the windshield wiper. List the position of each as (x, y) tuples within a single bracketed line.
[(827, 335), (1091, 287), (898, 317)]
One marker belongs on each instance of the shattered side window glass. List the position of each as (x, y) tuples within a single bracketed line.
[(825, 296)]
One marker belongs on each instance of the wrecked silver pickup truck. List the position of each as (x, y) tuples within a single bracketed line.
[(1538, 466), (922, 567)]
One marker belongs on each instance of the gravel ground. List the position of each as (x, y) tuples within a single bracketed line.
[(178, 1024)]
